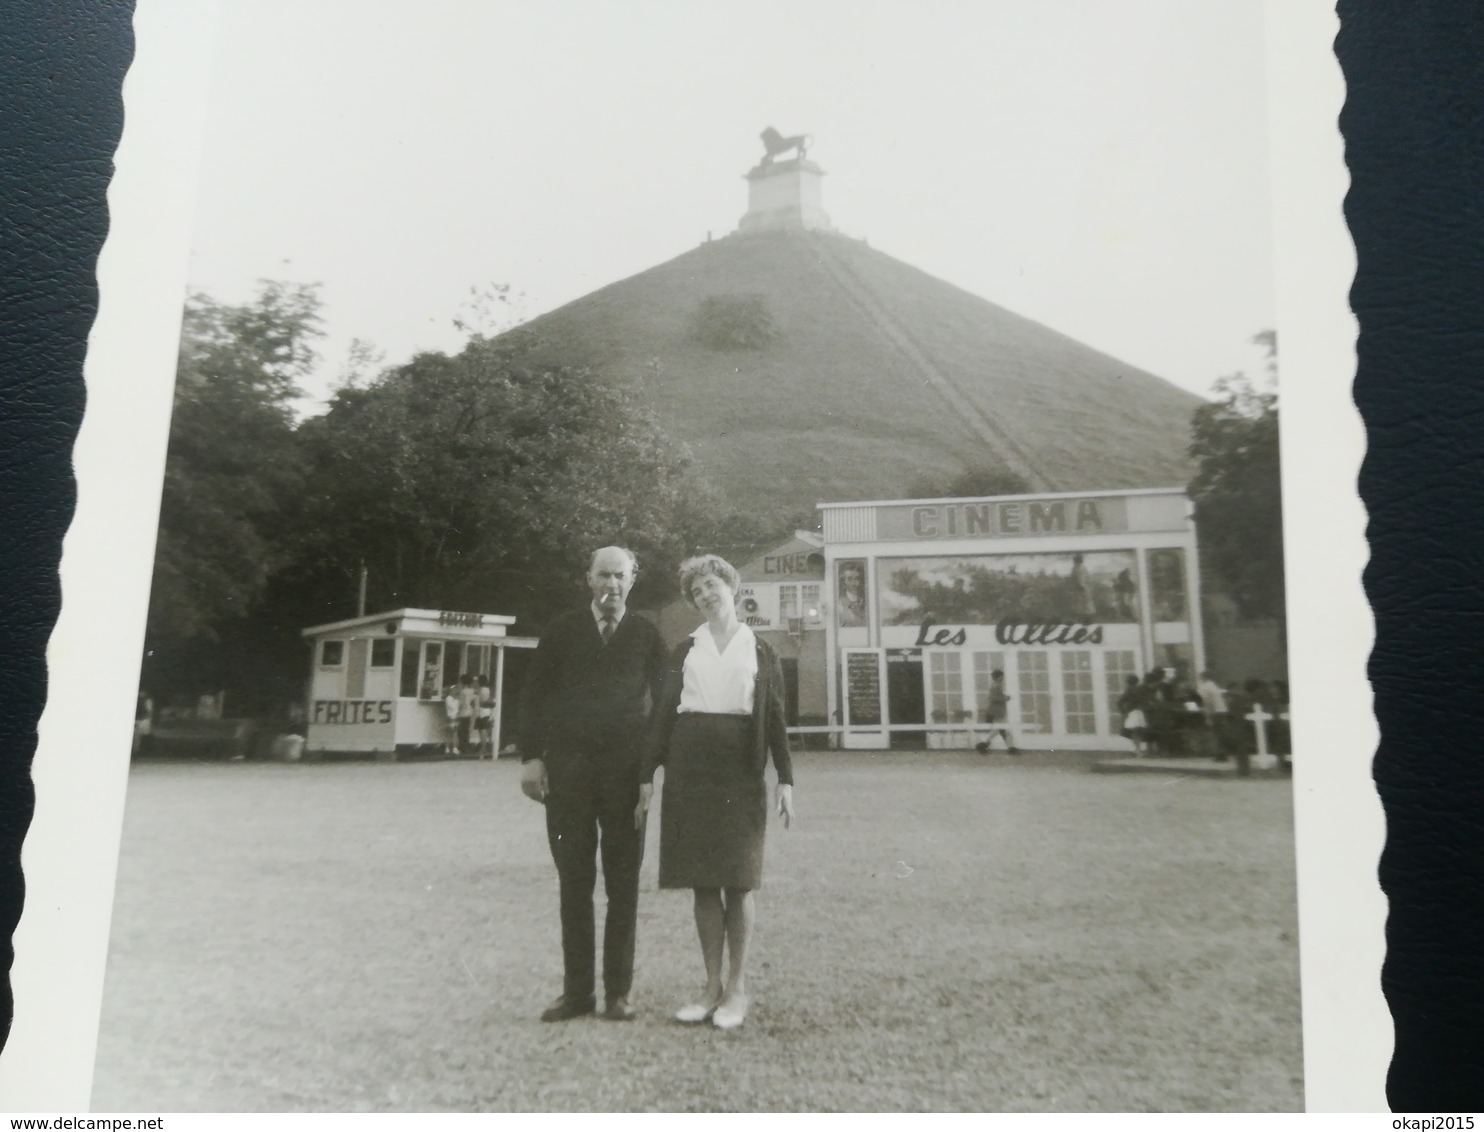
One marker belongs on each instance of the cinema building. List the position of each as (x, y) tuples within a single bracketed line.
[(1066, 594)]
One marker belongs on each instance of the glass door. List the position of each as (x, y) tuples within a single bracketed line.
[(985, 665), (1078, 702), (1034, 684), (1118, 666), (945, 677)]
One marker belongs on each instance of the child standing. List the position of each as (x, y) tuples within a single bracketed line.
[(484, 720), (451, 705)]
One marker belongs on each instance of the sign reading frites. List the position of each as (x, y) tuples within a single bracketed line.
[(351, 711)]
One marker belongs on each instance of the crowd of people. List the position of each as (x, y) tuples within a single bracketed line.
[(469, 712), (1164, 713)]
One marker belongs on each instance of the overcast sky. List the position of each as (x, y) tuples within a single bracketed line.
[(1097, 165)]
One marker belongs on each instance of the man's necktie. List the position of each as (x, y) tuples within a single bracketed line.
[(609, 625)]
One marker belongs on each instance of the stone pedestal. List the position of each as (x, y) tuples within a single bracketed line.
[(784, 196)]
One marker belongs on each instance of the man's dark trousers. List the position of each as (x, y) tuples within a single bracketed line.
[(590, 810)]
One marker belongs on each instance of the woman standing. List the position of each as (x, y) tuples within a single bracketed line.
[(1131, 706), (720, 715)]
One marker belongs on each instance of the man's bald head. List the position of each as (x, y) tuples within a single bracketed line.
[(610, 576), (625, 551)]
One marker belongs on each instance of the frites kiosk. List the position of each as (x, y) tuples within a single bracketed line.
[(377, 682)]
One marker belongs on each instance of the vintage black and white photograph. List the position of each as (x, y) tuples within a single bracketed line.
[(719, 557)]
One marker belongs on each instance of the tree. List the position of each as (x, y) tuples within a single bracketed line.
[(490, 311), (983, 479), (1237, 489), (231, 460), (482, 481)]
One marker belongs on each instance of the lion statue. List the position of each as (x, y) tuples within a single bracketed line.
[(776, 144)]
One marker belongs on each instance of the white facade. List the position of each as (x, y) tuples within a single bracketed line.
[(376, 682), (1065, 594), (785, 196)]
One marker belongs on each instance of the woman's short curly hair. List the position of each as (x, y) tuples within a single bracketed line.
[(701, 564)]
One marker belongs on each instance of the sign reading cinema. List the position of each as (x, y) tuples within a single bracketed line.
[(1001, 520)]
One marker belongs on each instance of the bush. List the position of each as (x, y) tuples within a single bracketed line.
[(734, 322)]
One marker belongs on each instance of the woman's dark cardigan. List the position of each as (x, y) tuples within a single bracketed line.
[(769, 734)]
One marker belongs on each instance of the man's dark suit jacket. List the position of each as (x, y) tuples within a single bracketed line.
[(583, 698), (769, 727)]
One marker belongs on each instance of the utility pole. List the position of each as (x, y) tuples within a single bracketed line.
[(361, 596)]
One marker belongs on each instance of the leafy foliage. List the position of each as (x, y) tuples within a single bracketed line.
[(980, 480), (1237, 489), (490, 310), (483, 481), (231, 461), (478, 481), (734, 322)]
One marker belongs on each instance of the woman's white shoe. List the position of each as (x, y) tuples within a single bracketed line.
[(694, 1013), (730, 1016)]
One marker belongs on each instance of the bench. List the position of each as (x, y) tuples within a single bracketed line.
[(229, 737)]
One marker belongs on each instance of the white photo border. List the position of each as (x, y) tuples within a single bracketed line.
[(81, 764)]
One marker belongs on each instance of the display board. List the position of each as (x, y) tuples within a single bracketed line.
[(864, 698)]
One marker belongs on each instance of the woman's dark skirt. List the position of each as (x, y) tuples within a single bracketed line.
[(714, 807)]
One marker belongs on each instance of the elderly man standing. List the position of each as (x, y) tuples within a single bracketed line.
[(593, 681)]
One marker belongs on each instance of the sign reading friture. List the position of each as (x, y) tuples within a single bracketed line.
[(462, 620), (1010, 519)]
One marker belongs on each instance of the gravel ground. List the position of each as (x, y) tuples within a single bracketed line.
[(939, 931)]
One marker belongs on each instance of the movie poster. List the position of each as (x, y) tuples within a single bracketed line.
[(1092, 587), (850, 603), (1167, 584)]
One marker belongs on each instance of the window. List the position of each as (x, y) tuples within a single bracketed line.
[(383, 652), (788, 601), (477, 660), (945, 686), (408, 687), (431, 685), (331, 654), (453, 662), (809, 601), (1076, 687), (1035, 691), (1167, 584)]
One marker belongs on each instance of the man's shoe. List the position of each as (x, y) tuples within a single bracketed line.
[(619, 1010), (565, 1008), (982, 748)]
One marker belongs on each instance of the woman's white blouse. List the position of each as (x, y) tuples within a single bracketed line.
[(720, 682)]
